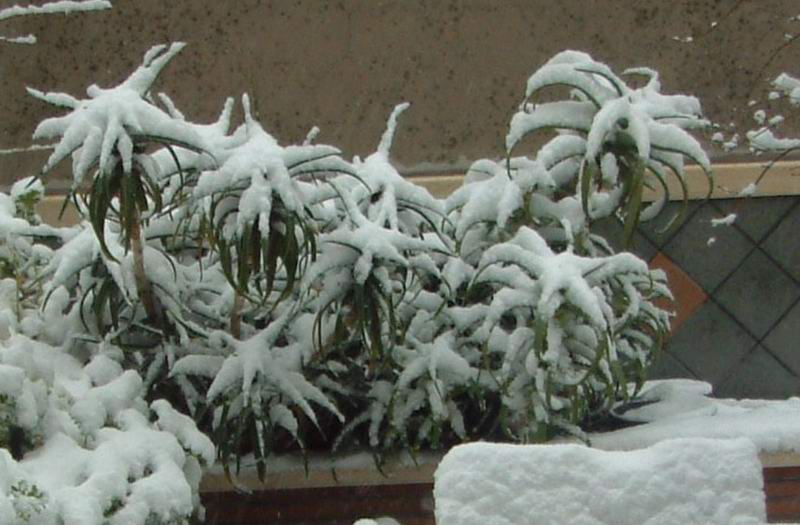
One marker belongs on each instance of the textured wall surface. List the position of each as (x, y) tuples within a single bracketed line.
[(343, 65), (737, 291)]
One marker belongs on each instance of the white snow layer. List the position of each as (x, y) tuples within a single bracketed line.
[(680, 482), (104, 457), (749, 190), (62, 6), (724, 221), (681, 408)]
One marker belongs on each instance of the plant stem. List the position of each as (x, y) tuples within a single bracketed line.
[(143, 286), (236, 316)]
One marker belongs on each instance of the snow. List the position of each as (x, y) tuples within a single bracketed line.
[(683, 408), (101, 460), (111, 119), (788, 85), (388, 136), (27, 39), (562, 115), (62, 6), (728, 220), (765, 140), (609, 169), (749, 190), (731, 144), (26, 186), (383, 520), (676, 482)]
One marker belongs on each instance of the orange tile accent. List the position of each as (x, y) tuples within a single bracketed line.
[(689, 296)]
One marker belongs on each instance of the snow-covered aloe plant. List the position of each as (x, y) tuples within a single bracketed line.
[(564, 324), (623, 139), (256, 207), (260, 393), (377, 265), (106, 135), (257, 215), (568, 333), (380, 246), (280, 293)]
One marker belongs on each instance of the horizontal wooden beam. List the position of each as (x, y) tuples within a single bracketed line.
[(783, 178), (293, 471)]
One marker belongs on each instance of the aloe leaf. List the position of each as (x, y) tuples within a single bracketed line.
[(572, 115), (604, 72), (634, 203), (653, 209), (586, 177), (565, 75), (677, 171)]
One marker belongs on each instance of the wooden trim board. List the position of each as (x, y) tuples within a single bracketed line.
[(730, 179), (328, 470), (783, 178)]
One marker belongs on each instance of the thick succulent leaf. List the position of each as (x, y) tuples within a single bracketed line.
[(566, 75), (551, 115), (117, 115)]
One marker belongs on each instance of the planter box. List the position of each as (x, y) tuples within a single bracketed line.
[(336, 490), (782, 487), (342, 493)]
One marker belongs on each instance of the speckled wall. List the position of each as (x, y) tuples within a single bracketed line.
[(343, 65)]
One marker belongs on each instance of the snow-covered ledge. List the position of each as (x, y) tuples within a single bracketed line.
[(684, 408)]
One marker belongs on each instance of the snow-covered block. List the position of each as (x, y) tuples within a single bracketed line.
[(680, 482)]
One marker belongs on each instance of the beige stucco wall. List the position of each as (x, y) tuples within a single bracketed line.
[(343, 65)]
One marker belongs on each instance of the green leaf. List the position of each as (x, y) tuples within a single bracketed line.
[(587, 178), (678, 172), (634, 203)]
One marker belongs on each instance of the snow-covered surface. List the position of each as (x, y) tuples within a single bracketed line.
[(384, 520), (724, 221), (682, 408), (677, 482), (105, 456), (789, 86), (749, 190), (765, 140), (61, 6)]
